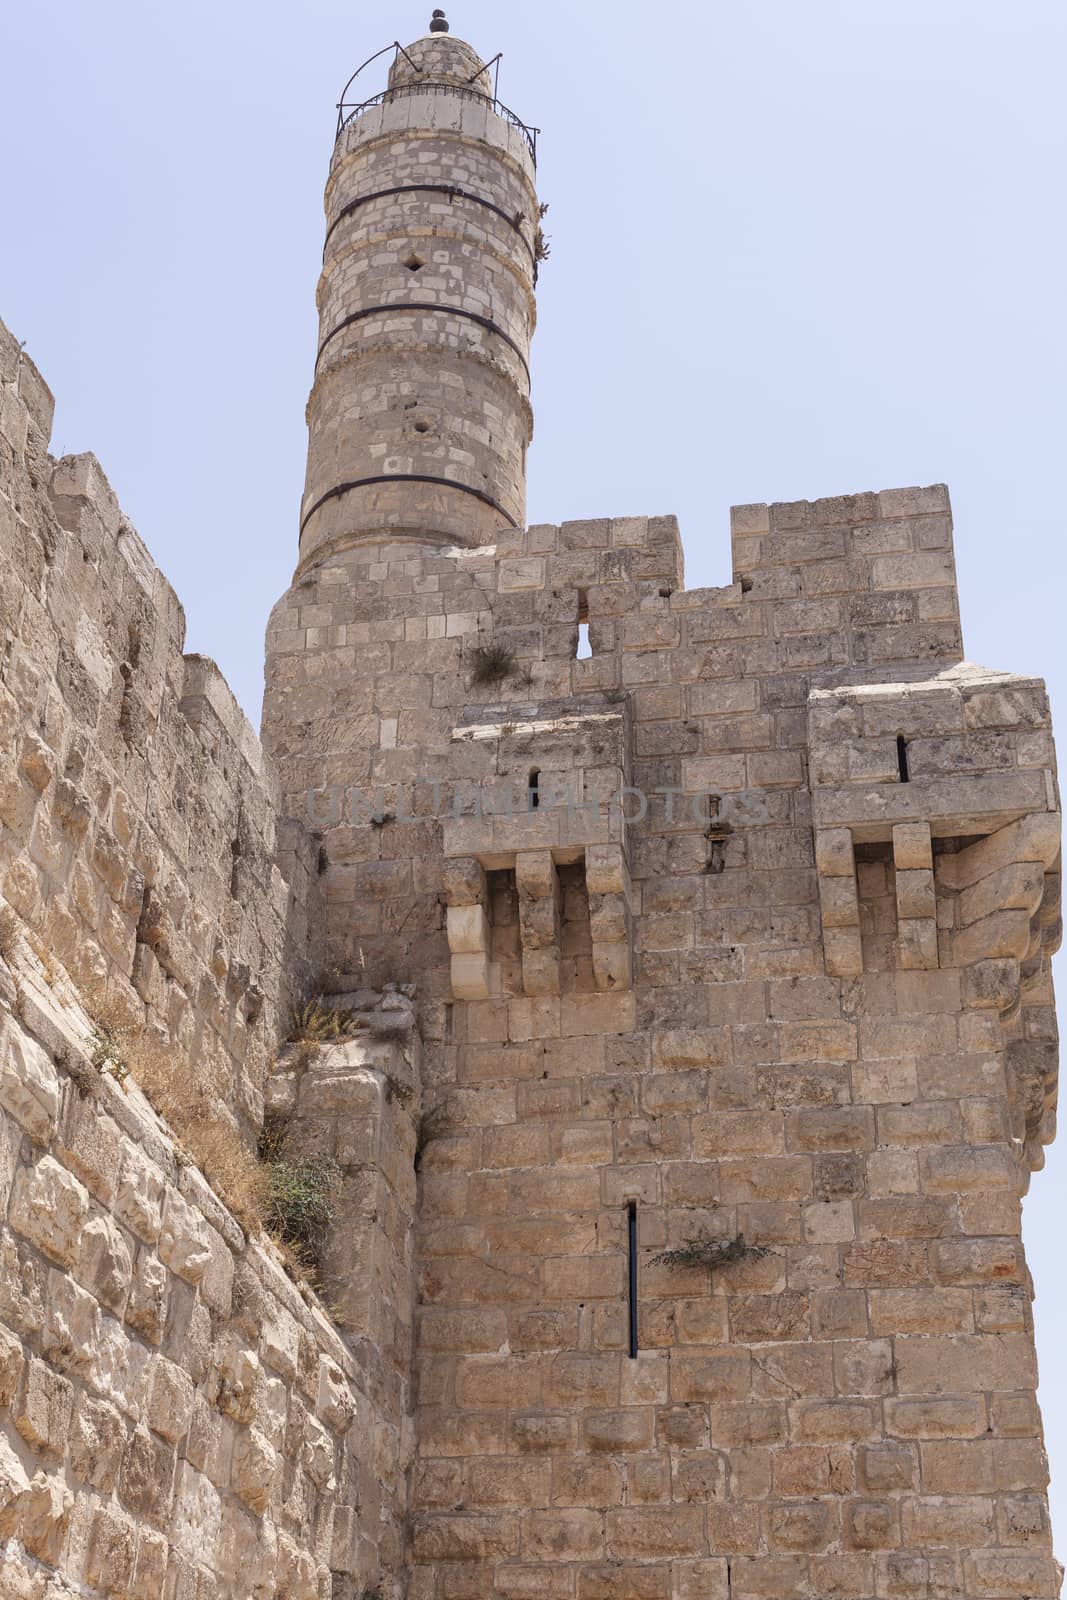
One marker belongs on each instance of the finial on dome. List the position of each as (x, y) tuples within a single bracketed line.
[(438, 23)]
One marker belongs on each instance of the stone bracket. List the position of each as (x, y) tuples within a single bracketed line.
[(467, 926), (540, 924), (916, 902), (540, 921), (607, 880), (835, 863)]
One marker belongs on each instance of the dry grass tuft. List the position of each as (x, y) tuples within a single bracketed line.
[(107, 1045), (208, 1136), (704, 1251), (395, 1091), (49, 965), (318, 1022), (86, 1081), (490, 663)]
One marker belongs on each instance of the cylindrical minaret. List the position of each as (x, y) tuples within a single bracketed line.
[(419, 415)]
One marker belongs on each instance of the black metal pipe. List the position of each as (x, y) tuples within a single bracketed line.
[(403, 477), (631, 1218), (451, 189), (424, 305)]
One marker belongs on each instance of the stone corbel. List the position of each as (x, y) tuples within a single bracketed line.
[(913, 859), (835, 862), (1005, 888), (467, 925), (540, 928), (607, 881), (1002, 914)]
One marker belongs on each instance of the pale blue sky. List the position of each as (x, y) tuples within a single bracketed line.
[(799, 247)]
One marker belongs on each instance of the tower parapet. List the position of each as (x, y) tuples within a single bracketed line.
[(419, 417)]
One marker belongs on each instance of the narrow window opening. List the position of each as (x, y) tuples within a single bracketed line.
[(534, 789), (413, 262), (902, 758), (717, 832), (585, 649), (421, 425), (631, 1230)]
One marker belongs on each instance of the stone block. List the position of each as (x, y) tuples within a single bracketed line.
[(524, 572), (184, 1244), (112, 1551), (912, 849), (838, 902), (170, 1405), (606, 870), (91, 1146), (255, 1468), (146, 1478), (49, 1207), (146, 1307), (43, 1409), (468, 930), (915, 892), (834, 853), (105, 1263), (29, 1083), (917, 944), (464, 882), (139, 1194), (648, 1533), (843, 951), (541, 970), (470, 977), (612, 966)]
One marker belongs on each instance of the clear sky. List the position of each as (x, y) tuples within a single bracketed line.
[(799, 247)]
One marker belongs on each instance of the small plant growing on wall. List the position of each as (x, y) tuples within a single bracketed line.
[(705, 1251), (301, 1202), (318, 1022), (107, 1049), (542, 248), (490, 663)]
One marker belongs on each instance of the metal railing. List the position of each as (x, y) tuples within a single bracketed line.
[(348, 111)]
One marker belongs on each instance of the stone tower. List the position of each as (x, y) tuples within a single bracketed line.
[(419, 416), (731, 947), (696, 1038)]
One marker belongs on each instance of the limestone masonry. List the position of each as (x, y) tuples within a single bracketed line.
[(698, 1031)]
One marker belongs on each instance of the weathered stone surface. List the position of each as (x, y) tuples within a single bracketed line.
[(49, 1207), (714, 958), (184, 1241), (29, 1083)]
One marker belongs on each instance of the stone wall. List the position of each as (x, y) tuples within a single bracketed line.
[(176, 1419), (137, 820), (798, 996)]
